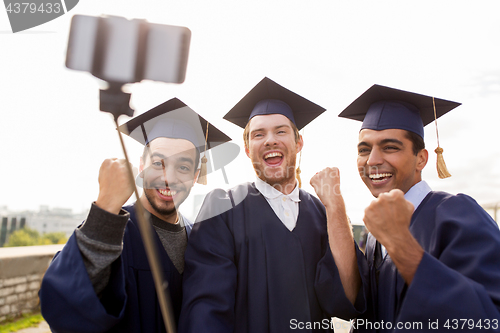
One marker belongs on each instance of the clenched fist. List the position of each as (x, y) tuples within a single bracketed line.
[(115, 186), (326, 183), (388, 217)]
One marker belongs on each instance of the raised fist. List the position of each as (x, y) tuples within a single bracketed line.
[(115, 187)]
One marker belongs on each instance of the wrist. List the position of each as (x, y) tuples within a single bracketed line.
[(108, 205), (403, 247), (407, 257), (335, 206)]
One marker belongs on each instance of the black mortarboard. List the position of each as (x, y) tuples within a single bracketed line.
[(268, 97), (174, 119), (382, 108)]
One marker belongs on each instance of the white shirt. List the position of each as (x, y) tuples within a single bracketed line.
[(415, 195), (286, 207)]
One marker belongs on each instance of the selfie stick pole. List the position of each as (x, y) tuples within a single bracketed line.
[(116, 102)]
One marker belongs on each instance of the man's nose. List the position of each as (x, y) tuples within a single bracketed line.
[(168, 174), (375, 158), (271, 140)]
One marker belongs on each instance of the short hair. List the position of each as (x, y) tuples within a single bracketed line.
[(417, 142), (246, 132), (145, 155)]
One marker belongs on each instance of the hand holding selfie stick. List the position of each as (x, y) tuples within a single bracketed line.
[(121, 51)]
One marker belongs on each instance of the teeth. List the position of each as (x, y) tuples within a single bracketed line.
[(167, 193), (378, 176), (272, 155)]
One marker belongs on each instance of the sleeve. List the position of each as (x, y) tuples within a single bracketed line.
[(330, 292), (210, 273), (100, 239), (458, 280), (67, 297)]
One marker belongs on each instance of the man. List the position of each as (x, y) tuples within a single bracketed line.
[(432, 258), (254, 260), (101, 281)]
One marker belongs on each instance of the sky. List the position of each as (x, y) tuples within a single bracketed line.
[(54, 138)]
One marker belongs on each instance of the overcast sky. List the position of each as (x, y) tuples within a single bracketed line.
[(54, 138)]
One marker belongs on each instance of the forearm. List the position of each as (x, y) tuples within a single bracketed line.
[(343, 251), (406, 253), (100, 242)]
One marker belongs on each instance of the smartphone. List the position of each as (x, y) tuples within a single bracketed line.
[(119, 50)]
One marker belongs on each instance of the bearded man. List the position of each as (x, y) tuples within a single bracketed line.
[(101, 281), (258, 260)]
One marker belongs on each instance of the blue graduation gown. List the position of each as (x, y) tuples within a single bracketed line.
[(128, 304), (246, 272), (458, 278)]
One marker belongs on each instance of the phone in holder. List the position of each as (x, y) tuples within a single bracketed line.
[(119, 50)]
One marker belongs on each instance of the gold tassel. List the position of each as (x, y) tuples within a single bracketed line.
[(297, 175), (440, 165), (202, 177), (298, 171)]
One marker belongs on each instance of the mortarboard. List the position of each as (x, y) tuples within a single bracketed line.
[(381, 108), (174, 119), (268, 97)]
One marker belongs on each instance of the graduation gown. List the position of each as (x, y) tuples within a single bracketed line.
[(246, 272), (129, 302), (458, 278)]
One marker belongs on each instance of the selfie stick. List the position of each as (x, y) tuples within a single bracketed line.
[(116, 102)]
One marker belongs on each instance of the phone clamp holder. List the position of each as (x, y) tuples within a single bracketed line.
[(115, 101)]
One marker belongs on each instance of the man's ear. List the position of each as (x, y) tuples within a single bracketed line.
[(300, 143), (196, 175), (141, 165), (247, 151), (422, 158)]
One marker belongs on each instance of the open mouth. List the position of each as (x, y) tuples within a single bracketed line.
[(273, 158), (379, 178)]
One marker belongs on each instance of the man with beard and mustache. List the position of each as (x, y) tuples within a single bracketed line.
[(258, 259), (101, 281), (432, 259)]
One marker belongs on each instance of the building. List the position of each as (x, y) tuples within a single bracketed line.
[(44, 221)]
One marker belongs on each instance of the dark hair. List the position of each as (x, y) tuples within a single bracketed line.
[(417, 142), (246, 132), (145, 155)]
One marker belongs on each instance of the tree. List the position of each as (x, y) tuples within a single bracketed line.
[(29, 237), (23, 237), (55, 238)]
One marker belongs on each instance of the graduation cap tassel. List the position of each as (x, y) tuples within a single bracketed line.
[(440, 164), (298, 171), (202, 178), (297, 174)]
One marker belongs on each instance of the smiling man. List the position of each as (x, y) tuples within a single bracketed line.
[(257, 266), (101, 281), (432, 258)]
